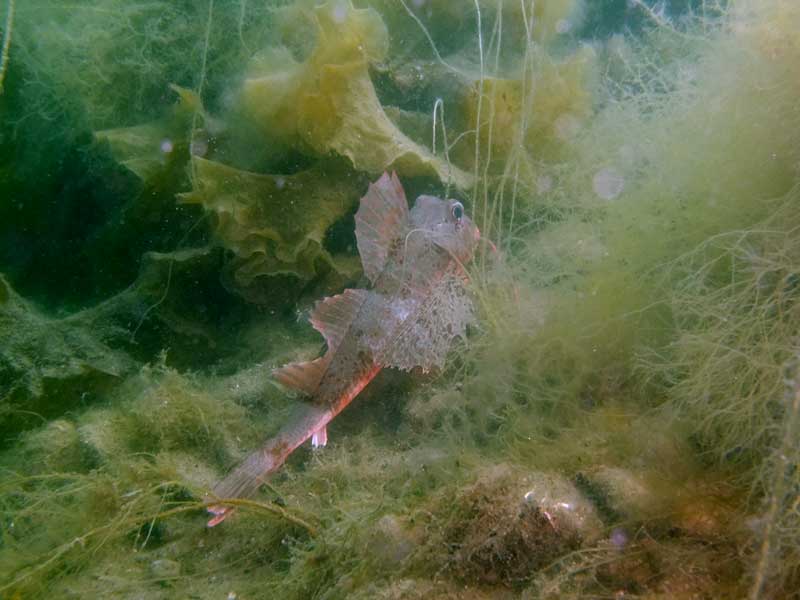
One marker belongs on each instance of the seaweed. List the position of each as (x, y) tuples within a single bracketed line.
[(275, 224), (778, 564), (504, 528), (112, 63), (148, 149), (634, 172), (328, 103), (7, 30), (48, 366), (735, 312)]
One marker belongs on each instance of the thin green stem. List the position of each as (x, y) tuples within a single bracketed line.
[(133, 521), (6, 42)]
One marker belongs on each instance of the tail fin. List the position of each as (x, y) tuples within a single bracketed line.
[(245, 479)]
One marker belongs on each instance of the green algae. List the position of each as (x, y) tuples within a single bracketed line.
[(275, 224), (625, 407), (48, 366)]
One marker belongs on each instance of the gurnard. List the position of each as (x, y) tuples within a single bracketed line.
[(417, 305)]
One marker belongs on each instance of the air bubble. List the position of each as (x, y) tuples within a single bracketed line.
[(619, 539), (198, 147), (544, 184), (566, 127), (339, 12), (608, 184)]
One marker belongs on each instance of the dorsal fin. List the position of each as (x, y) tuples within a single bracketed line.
[(333, 316), (381, 218), (303, 376)]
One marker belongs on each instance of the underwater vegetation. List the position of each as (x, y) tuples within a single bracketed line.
[(179, 184)]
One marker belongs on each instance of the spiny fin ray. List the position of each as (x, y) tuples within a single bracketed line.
[(333, 316), (303, 376), (381, 218)]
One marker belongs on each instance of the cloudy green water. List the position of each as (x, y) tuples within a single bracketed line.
[(178, 181)]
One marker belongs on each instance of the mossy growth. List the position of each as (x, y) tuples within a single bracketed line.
[(113, 63), (49, 366)]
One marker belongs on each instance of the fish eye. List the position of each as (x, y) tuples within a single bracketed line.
[(457, 210)]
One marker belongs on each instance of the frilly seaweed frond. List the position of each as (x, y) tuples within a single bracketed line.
[(328, 102), (275, 224), (619, 409)]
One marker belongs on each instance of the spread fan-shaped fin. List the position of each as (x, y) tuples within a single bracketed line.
[(332, 316), (382, 217), (303, 376), (424, 338)]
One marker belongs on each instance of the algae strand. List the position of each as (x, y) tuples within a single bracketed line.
[(6, 42), (779, 538), (131, 522)]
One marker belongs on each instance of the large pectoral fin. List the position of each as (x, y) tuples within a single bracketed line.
[(423, 339)]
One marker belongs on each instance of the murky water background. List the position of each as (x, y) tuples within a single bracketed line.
[(178, 184)]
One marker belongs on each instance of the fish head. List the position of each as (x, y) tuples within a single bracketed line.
[(447, 225)]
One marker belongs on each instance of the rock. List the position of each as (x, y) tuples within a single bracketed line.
[(509, 524), (564, 504)]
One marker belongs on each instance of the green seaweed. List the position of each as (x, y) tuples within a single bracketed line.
[(625, 407), (275, 224), (48, 366), (148, 149), (328, 103)]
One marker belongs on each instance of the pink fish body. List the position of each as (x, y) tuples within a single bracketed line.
[(417, 305)]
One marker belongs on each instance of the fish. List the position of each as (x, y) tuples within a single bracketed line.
[(417, 305)]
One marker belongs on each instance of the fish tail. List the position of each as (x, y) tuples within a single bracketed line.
[(245, 479)]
